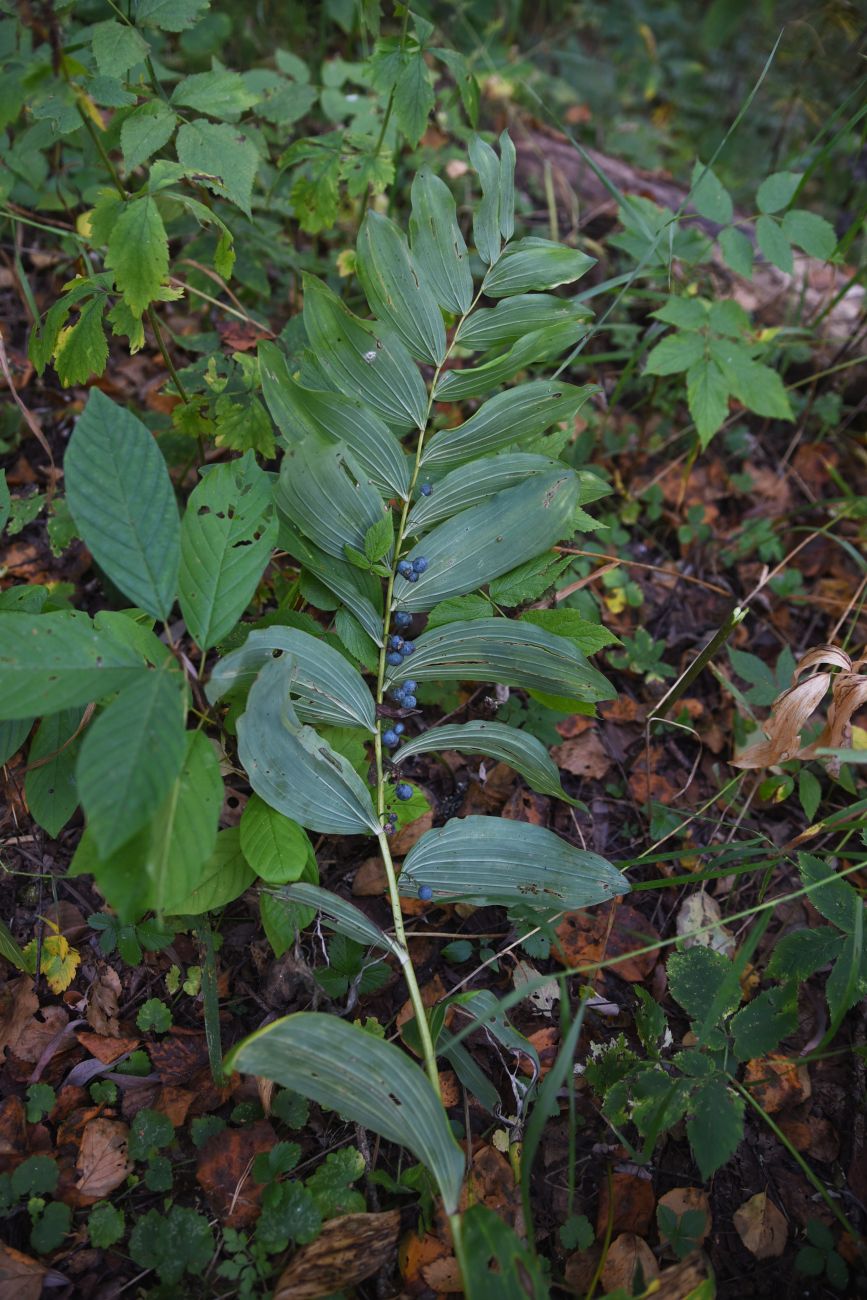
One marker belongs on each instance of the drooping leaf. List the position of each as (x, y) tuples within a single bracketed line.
[(479, 544), (49, 786), (438, 246), (363, 360), (50, 662), (326, 494), (121, 497), (471, 484), (396, 292), (342, 916), (130, 756), (514, 317), (298, 411), (292, 768), (225, 160), (222, 878), (363, 1078), (492, 862), (519, 749), (533, 263), (275, 846), (509, 418), (359, 591), (324, 685), (227, 535), (500, 650)]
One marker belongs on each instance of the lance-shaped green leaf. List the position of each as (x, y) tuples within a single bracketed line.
[(489, 861), (49, 787), (519, 413), (486, 216), (292, 768), (500, 650), (540, 345), (512, 318), (363, 359), (358, 590), (534, 263), (342, 916), (471, 484), (479, 544), (50, 662), (396, 292), (366, 1080), (506, 186), (123, 503), (519, 749), (327, 495), (482, 1005), (298, 411), (227, 535), (325, 687), (438, 246), (130, 756)]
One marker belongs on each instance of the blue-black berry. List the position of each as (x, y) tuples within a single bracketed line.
[(425, 892), (390, 738), (402, 619), (419, 565), (408, 701), (408, 648), (389, 828), (399, 728), (403, 792), (404, 568), (392, 817), (412, 576), (394, 657), (396, 642), (409, 687), (426, 489)]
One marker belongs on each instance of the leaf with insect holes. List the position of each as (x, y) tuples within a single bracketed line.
[(223, 159)]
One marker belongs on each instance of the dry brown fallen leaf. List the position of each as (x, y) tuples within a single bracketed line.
[(680, 1200), (630, 1262), (102, 1163), (427, 1263), (347, 1251), (18, 1002), (682, 1280), (102, 1003), (21, 1277), (697, 911), (583, 756), (587, 937), (634, 1204), (761, 1227), (777, 1082), (224, 1172)]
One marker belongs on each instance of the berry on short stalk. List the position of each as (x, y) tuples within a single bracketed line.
[(399, 728), (404, 568), (402, 620), (403, 792)]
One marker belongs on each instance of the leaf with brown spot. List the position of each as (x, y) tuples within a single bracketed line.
[(634, 1203), (348, 1250), (178, 1056), (102, 1162), (777, 1082), (21, 1277), (224, 1172), (761, 1227), (629, 1261)]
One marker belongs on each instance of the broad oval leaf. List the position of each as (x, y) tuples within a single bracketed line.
[(512, 318), (324, 493), (123, 503), (471, 484), (539, 345), (276, 847), (342, 916), (228, 532), (325, 686), (481, 543), (297, 411), (292, 768), (363, 359), (533, 263), (438, 246), (130, 756), (500, 650), (521, 412), (49, 787), (490, 861), (222, 878), (519, 749), (366, 1080), (50, 662), (358, 590), (395, 291)]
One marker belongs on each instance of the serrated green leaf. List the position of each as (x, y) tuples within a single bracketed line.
[(227, 535), (707, 394), (737, 251), (588, 637), (509, 418), (130, 757), (169, 15), (492, 862), (811, 232), (696, 976), (834, 898), (413, 97), (438, 247), (809, 792), (297, 411), (121, 497), (49, 787), (222, 94), (523, 752), (326, 494), (243, 426), (528, 581), (379, 538), (756, 385), (676, 353), (799, 955), (777, 191), (500, 650), (761, 1025), (138, 253), (533, 263), (80, 350), (117, 47), (715, 1125), (458, 609), (490, 539), (363, 361), (276, 847), (774, 244), (395, 291), (486, 214), (222, 878), (223, 160), (292, 768), (145, 131), (709, 196)]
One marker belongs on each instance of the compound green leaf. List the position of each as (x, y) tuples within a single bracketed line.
[(477, 545), (221, 93), (811, 232), (709, 196), (146, 130), (325, 493), (471, 484), (492, 862), (737, 251), (512, 318), (121, 497), (227, 535), (715, 1125), (275, 846), (225, 160), (169, 15), (364, 360), (438, 247), (777, 191), (676, 352), (774, 244), (533, 263), (511, 417), (366, 1080), (50, 662), (707, 395), (130, 757), (49, 786), (292, 768), (223, 877), (395, 291), (500, 650), (519, 749)]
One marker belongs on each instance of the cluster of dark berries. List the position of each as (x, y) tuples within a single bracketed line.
[(391, 824), (411, 569), (399, 650), (393, 735), (404, 695)]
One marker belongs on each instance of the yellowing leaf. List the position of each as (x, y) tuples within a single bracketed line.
[(58, 962), (616, 601)]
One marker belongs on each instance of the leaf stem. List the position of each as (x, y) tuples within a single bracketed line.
[(169, 364), (210, 1001)]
